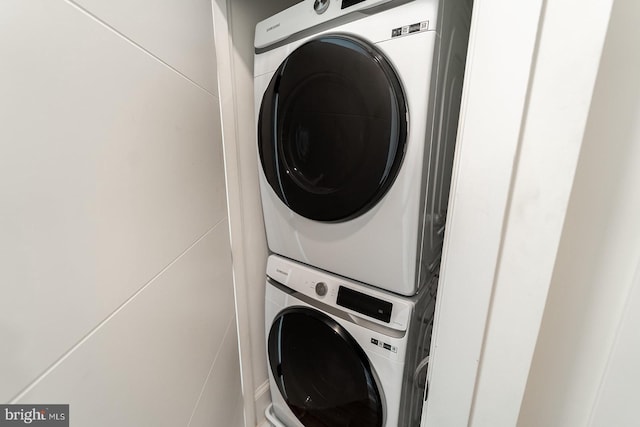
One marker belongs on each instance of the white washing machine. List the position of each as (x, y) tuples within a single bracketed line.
[(357, 107), (342, 354)]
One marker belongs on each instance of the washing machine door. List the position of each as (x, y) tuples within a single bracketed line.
[(322, 373), (332, 128)]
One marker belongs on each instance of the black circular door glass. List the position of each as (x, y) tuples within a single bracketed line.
[(332, 128), (321, 371)]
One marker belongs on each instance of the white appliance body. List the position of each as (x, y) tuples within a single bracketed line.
[(394, 244), (315, 372)]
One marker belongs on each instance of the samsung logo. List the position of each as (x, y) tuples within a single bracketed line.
[(273, 27), (282, 272)]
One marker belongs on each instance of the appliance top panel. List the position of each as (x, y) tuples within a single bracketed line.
[(363, 301), (318, 14)]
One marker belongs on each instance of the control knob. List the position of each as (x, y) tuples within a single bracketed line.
[(321, 289), (320, 6)]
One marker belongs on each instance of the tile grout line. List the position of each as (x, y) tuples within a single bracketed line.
[(213, 363), (90, 15), (96, 328)]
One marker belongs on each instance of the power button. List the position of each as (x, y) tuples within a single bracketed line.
[(320, 6), (321, 289)]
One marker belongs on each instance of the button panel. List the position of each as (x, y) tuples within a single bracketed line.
[(408, 29), (326, 288), (386, 346)]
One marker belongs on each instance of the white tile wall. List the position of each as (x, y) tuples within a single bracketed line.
[(221, 398), (139, 368), (110, 169), (177, 31)]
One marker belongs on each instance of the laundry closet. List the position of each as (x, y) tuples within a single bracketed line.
[(312, 267), (172, 252)]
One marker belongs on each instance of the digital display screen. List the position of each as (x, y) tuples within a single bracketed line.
[(365, 304), (348, 3)]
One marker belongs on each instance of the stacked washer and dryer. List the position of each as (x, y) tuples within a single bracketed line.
[(357, 107)]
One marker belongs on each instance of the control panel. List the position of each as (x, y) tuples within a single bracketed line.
[(410, 29), (306, 15), (353, 297)]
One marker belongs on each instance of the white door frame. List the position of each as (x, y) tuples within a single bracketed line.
[(531, 70)]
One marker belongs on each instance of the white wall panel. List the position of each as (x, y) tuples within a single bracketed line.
[(485, 154), (147, 365), (617, 403), (564, 72), (179, 32), (581, 374), (110, 168), (530, 78), (221, 403)]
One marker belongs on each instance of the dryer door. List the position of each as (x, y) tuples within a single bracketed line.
[(332, 128), (322, 373)]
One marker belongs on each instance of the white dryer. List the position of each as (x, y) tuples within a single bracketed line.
[(357, 107), (342, 354)]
